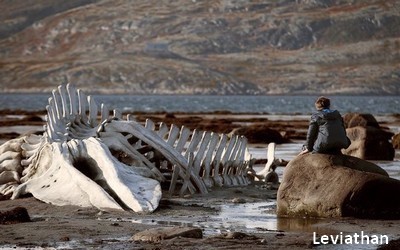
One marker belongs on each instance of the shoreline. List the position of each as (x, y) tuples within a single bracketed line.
[(271, 105), (76, 227)]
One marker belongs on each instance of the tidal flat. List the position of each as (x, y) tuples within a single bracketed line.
[(249, 210)]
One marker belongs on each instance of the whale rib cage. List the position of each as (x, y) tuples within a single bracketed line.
[(179, 159)]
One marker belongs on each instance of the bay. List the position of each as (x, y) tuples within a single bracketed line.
[(282, 104)]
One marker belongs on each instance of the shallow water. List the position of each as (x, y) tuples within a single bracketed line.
[(249, 218), (260, 217)]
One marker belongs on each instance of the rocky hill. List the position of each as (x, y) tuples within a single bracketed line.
[(202, 47)]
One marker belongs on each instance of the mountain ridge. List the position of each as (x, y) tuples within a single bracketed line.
[(219, 47)]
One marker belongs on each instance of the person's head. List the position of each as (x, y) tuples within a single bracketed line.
[(322, 103)]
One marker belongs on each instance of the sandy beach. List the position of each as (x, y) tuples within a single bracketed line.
[(249, 211)]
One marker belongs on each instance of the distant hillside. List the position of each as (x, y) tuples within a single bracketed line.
[(202, 47)]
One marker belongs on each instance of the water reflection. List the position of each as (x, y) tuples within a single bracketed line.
[(248, 217), (303, 225), (258, 217)]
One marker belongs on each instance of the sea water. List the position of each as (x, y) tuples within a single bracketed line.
[(276, 104)]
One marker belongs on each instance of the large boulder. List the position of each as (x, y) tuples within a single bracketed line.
[(368, 140), (320, 185)]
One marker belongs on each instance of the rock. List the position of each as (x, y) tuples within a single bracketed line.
[(272, 186), (65, 238), (164, 233), (369, 143), (235, 235), (319, 185), (356, 119), (238, 200), (393, 245), (272, 177), (16, 215), (5, 197), (260, 134), (396, 141), (368, 140)]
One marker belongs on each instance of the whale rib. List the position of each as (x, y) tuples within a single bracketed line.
[(89, 156)]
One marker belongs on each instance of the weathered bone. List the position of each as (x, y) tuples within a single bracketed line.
[(88, 157), (207, 161), (92, 162), (155, 141), (271, 161)]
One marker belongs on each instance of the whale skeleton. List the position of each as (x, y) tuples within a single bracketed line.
[(91, 156)]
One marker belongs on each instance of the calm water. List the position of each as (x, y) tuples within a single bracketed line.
[(378, 105)]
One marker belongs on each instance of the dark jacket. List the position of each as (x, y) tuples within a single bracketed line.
[(326, 132)]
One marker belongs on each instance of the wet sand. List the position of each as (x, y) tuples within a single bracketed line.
[(72, 227), (250, 209)]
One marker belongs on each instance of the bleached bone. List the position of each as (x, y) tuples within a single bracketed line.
[(270, 161), (10, 165), (207, 171), (88, 157), (216, 163), (155, 141), (205, 140), (117, 142), (203, 146), (183, 137), (73, 119), (94, 171)]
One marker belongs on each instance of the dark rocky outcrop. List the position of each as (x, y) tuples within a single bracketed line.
[(260, 134), (319, 185), (368, 140), (15, 215)]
